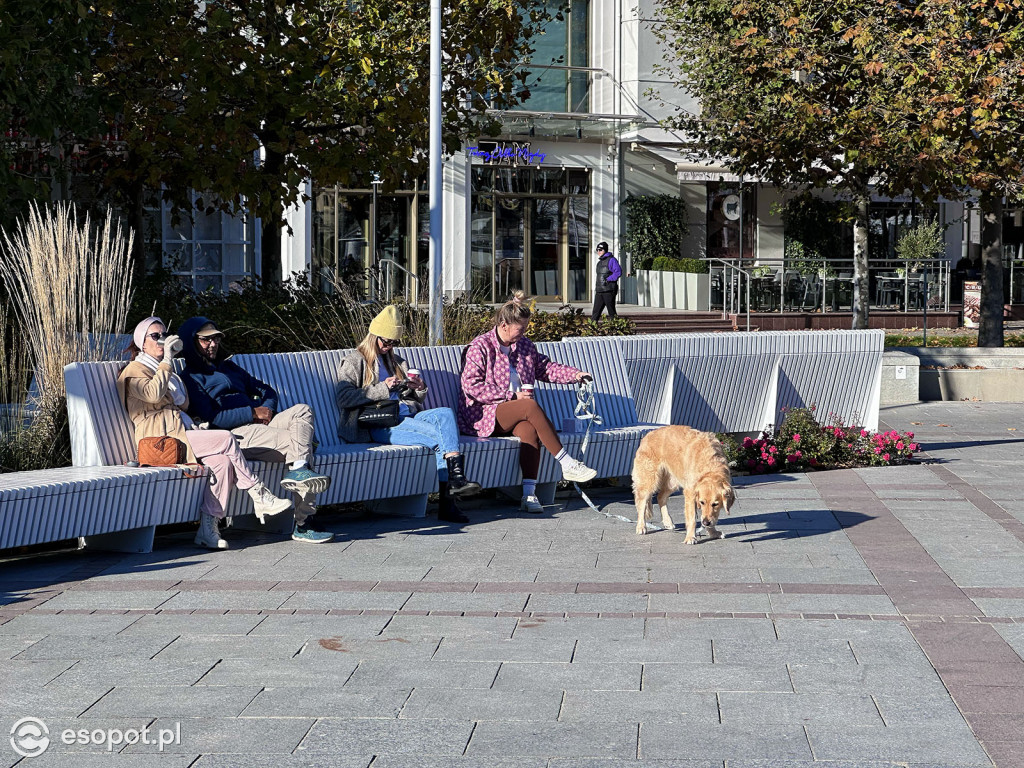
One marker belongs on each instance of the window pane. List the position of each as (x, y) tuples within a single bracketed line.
[(480, 269), (234, 257), (206, 258), (483, 179), (549, 181), (579, 182), (512, 180), (207, 227), (178, 257), (579, 247)]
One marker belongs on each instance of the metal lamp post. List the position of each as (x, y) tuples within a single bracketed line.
[(436, 332)]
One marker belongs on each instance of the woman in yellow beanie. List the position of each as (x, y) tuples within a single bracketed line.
[(374, 372)]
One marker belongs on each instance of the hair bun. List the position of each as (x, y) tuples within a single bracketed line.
[(518, 297)]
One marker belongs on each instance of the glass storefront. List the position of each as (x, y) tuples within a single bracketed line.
[(359, 239), (725, 209), (530, 230)]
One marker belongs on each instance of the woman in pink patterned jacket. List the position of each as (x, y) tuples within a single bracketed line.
[(499, 369)]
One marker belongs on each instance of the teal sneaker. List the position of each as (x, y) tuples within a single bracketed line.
[(305, 480), (306, 533)]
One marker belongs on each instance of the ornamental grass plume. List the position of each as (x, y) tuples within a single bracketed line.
[(70, 285)]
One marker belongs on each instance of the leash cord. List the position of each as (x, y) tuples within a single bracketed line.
[(586, 410)]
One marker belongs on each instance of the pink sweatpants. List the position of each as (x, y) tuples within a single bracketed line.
[(218, 450)]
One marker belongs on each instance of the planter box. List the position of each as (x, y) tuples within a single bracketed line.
[(628, 290), (989, 385), (673, 290)]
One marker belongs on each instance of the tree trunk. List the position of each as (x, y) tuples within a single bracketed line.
[(861, 290), (137, 221), (990, 327), (271, 268)]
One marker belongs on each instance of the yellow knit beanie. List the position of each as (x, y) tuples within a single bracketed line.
[(386, 325)]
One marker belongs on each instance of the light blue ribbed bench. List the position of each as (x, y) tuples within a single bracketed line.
[(389, 479)]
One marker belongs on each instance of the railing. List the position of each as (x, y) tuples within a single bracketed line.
[(383, 281), (826, 285), (734, 280)]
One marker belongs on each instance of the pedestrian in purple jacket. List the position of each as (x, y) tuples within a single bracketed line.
[(607, 287), (499, 369)]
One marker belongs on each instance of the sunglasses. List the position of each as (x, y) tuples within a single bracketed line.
[(156, 336), (209, 339), (389, 342)]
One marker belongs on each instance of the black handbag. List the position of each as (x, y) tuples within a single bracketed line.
[(379, 415)]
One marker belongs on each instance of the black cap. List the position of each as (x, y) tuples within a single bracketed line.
[(602, 246)]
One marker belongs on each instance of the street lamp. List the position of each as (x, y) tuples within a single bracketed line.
[(436, 335), (375, 183)]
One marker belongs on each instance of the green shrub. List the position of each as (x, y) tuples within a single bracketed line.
[(666, 264), (655, 226)]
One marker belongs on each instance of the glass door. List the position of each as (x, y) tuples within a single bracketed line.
[(545, 247), (578, 237), (509, 246)]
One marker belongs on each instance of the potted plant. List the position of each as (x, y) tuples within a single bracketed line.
[(655, 227)]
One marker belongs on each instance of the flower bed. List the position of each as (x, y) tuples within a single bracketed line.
[(801, 443)]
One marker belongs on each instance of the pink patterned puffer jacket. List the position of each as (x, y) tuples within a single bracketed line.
[(485, 378)]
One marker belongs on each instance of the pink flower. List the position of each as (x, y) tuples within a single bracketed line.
[(910, 435), (747, 442), (798, 454), (863, 433), (913, 446), (771, 462), (877, 449), (886, 457), (796, 438), (773, 449), (899, 446)]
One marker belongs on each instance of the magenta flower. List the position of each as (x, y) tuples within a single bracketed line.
[(913, 446), (886, 457), (796, 438), (899, 446), (863, 433)]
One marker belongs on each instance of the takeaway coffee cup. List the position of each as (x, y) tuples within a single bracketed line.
[(412, 375), (527, 390)]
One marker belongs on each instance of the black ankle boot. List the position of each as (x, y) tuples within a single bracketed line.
[(457, 482), (447, 509)]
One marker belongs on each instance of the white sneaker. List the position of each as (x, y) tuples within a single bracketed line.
[(266, 503), (532, 505), (209, 533), (577, 472)]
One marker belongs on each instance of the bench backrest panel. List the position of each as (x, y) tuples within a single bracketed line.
[(101, 432), (303, 377)]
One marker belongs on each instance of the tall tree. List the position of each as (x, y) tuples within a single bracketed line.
[(887, 96), (956, 74), (248, 98)]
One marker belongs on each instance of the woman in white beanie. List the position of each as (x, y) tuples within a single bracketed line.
[(156, 400), (374, 372)]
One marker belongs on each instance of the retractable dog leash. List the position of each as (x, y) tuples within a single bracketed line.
[(586, 410)]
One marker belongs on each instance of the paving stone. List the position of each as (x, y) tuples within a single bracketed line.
[(191, 624), (554, 739), (480, 705), (234, 599), (681, 649), (576, 676), (114, 600), (407, 761), (53, 758), (723, 742), (677, 630), (285, 761), (461, 601), (96, 647), (213, 647), (849, 604), (716, 677), (66, 624), (175, 701), (935, 745), (233, 735), (520, 649), (588, 603), (667, 706), (93, 672), (317, 625), (301, 671), (783, 651), (358, 648), (327, 701), (537, 628), (424, 627), (754, 709), (870, 679), (386, 737), (55, 700), (433, 674), (712, 602)]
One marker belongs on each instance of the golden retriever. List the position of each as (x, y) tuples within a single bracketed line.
[(671, 458)]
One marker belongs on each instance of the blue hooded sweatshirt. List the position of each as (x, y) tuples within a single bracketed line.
[(220, 392)]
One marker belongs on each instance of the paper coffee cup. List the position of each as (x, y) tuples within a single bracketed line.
[(413, 374), (527, 387)]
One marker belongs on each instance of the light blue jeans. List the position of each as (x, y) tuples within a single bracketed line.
[(435, 429)]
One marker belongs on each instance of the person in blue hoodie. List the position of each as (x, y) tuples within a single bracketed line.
[(226, 396)]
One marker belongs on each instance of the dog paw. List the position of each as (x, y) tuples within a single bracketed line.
[(690, 540), (641, 530), (668, 526), (714, 533)]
